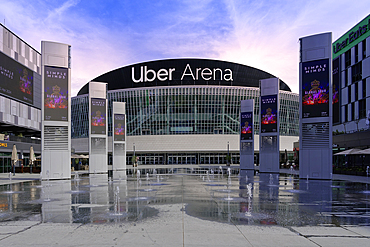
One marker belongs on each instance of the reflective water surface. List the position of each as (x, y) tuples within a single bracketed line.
[(215, 195)]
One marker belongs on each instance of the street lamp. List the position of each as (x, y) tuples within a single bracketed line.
[(228, 154)]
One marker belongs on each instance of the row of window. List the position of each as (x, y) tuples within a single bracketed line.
[(160, 111)]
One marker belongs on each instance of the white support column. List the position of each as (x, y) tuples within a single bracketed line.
[(98, 128), (119, 140), (56, 111), (315, 107)]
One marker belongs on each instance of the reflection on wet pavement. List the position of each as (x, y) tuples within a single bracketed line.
[(214, 195)]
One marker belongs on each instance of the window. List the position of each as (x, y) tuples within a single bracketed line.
[(347, 58), (346, 113), (356, 91), (363, 49), (349, 94), (353, 115), (364, 88), (362, 108), (357, 72), (356, 53)]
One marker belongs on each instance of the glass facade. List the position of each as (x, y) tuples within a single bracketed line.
[(185, 110)]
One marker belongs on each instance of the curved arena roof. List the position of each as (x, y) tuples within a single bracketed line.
[(180, 72)]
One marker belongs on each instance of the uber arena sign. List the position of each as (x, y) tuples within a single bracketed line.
[(149, 75)]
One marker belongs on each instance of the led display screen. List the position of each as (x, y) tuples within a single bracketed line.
[(315, 88), (15, 79), (98, 116), (119, 127), (269, 113), (55, 94), (335, 101), (246, 128)]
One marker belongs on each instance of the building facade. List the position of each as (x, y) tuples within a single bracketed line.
[(20, 98), (184, 111), (351, 77)]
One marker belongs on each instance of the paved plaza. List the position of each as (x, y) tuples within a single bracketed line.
[(197, 206)]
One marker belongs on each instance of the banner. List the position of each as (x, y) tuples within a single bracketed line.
[(55, 94), (269, 113), (315, 88)]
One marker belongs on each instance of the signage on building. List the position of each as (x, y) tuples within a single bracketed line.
[(145, 74), (15, 79), (3, 145), (354, 36)]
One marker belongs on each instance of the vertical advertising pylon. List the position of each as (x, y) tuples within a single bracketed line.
[(98, 128), (315, 107), (119, 140), (56, 111), (269, 126), (247, 134)]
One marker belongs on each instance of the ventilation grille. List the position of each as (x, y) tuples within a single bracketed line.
[(56, 138), (98, 146), (315, 135), (246, 148)]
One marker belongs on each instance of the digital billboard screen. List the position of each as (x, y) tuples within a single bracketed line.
[(98, 116), (269, 108), (335, 101), (246, 128), (315, 88), (15, 79), (119, 127), (55, 94)]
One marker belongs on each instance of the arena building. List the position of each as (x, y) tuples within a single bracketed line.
[(184, 111)]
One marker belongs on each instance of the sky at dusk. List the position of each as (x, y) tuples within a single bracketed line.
[(108, 34)]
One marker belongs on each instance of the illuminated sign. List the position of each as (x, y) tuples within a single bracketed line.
[(315, 88), (149, 75), (98, 116), (269, 108), (119, 127), (246, 128), (15, 79), (352, 37), (3, 144), (56, 94)]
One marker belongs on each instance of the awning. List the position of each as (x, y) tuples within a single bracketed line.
[(349, 151), (365, 151)]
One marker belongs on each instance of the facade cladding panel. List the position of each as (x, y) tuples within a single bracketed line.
[(189, 106)]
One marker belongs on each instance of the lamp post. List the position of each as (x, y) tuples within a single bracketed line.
[(134, 158), (228, 154)]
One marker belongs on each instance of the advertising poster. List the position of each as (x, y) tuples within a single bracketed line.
[(15, 79), (315, 88), (269, 113), (98, 116), (335, 101), (55, 94), (246, 122), (119, 127)]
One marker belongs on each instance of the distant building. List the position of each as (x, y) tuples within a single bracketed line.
[(184, 111)]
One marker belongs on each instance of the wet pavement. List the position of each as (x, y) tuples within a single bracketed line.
[(197, 206)]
